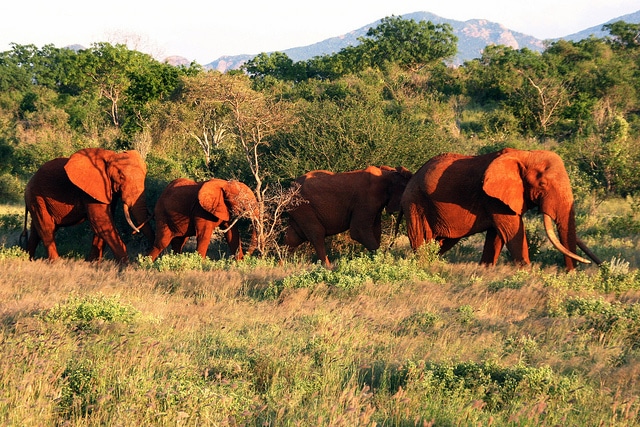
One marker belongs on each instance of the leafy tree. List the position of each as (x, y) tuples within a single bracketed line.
[(624, 34), (407, 43)]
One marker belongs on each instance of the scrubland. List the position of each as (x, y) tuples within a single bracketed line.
[(389, 339)]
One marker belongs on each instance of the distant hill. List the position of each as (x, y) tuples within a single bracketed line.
[(473, 36), (632, 18)]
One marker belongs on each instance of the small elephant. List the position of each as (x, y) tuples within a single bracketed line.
[(87, 186), (188, 208), (453, 196), (337, 202)]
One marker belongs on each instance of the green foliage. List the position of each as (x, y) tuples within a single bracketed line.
[(88, 312), (186, 261), (12, 252), (515, 281), (78, 387), (11, 189), (351, 274), (417, 323), (612, 276), (617, 320), (496, 386)]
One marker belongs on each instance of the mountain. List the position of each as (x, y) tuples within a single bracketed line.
[(473, 36), (632, 18)]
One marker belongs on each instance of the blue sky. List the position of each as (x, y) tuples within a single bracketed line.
[(204, 31)]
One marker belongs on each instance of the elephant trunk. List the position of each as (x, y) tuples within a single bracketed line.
[(142, 217)]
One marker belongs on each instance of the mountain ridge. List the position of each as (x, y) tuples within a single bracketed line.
[(473, 36)]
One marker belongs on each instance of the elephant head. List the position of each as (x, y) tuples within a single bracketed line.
[(525, 179), (228, 199), (397, 181), (105, 174)]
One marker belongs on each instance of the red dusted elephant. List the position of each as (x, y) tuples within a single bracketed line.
[(87, 186), (453, 196), (188, 208), (337, 202)]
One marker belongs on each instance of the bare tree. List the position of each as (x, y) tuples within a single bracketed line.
[(227, 108)]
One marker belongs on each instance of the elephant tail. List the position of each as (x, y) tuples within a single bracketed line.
[(24, 236)]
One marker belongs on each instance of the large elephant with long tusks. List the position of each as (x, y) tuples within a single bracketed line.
[(453, 196), (87, 186)]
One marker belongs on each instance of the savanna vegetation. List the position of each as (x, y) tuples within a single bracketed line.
[(391, 339)]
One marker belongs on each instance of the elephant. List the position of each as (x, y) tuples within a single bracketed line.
[(336, 202), (188, 208), (454, 196), (87, 186)]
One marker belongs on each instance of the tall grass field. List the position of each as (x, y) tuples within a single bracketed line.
[(394, 338)]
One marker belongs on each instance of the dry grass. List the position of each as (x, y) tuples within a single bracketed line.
[(449, 343), (207, 349)]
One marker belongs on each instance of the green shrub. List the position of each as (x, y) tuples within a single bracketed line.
[(350, 274), (517, 281), (12, 252), (11, 189), (11, 222), (417, 323), (186, 261), (497, 386), (626, 225), (84, 313), (77, 395)]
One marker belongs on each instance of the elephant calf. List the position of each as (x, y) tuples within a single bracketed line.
[(188, 208), (337, 202)]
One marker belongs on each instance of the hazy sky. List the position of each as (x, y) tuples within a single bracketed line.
[(205, 30)]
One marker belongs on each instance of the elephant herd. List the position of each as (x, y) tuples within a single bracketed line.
[(450, 197)]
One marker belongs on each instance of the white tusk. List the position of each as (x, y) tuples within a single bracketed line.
[(553, 238)]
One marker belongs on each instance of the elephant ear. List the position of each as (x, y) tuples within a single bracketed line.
[(211, 198), (503, 180), (87, 169)]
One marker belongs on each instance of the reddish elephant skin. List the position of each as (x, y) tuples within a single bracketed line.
[(188, 208), (87, 186), (453, 196), (336, 202)]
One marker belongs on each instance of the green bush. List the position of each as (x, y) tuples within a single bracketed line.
[(350, 274), (12, 252), (83, 313), (417, 323), (11, 189), (186, 261)]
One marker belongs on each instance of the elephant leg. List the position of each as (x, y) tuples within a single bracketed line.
[(316, 236), (418, 229), (293, 237), (233, 241), (101, 221), (518, 246), (177, 244), (492, 247), (43, 228), (321, 251), (368, 237), (97, 247), (446, 244), (203, 238), (33, 241)]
